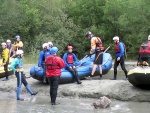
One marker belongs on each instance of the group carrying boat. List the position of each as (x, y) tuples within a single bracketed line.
[(84, 69)]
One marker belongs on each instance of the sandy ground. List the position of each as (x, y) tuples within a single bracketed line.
[(118, 89)]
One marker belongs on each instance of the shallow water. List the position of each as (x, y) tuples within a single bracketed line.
[(41, 104)]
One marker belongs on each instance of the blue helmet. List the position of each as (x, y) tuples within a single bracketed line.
[(17, 36), (54, 50)]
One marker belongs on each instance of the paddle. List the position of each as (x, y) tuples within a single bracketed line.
[(92, 54)]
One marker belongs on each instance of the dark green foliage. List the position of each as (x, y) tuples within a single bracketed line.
[(67, 21)]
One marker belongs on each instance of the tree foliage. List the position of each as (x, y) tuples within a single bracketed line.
[(67, 21)]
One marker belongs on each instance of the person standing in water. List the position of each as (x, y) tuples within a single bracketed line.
[(69, 59), (120, 54), (17, 67), (53, 64), (97, 48)]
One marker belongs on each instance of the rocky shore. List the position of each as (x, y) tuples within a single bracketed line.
[(114, 89)]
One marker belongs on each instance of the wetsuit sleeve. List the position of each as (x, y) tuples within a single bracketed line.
[(61, 63), (14, 64), (40, 59), (75, 58), (121, 46), (65, 60)]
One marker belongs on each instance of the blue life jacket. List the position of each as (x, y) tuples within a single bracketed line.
[(43, 55)]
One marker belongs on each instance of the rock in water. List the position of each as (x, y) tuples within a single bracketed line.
[(102, 102)]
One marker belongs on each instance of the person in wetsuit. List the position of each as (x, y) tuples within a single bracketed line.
[(120, 54), (69, 59), (5, 59), (17, 67), (41, 62), (53, 65)]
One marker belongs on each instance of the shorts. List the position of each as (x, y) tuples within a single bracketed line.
[(98, 58)]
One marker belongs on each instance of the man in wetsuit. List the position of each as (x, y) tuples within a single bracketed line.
[(53, 65), (120, 53), (70, 59), (41, 63)]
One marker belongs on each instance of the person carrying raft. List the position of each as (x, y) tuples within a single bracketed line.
[(41, 62), (120, 54), (17, 67), (69, 59), (97, 48)]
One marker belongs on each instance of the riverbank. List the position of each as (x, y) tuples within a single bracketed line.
[(118, 89), (114, 89)]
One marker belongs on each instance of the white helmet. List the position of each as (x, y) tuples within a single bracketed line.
[(116, 38), (19, 52), (3, 44), (149, 37), (9, 41), (45, 45), (50, 43)]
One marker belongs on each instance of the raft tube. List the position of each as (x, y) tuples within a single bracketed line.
[(2, 72), (140, 76), (84, 69)]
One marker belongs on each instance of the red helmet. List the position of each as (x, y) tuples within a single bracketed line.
[(69, 47)]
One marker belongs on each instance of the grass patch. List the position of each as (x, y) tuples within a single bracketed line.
[(30, 59)]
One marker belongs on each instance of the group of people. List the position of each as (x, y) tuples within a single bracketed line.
[(16, 51), (98, 49), (9, 50), (52, 64)]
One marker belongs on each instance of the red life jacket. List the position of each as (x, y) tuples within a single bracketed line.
[(51, 64), (117, 48), (70, 58), (99, 45), (145, 48)]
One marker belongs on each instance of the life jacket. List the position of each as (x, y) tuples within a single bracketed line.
[(99, 45), (70, 58), (46, 54), (51, 64), (145, 48), (9, 47), (117, 48), (18, 48)]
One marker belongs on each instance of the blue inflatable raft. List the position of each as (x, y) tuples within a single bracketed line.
[(84, 69)]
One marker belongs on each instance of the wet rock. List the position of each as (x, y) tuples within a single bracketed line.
[(102, 102)]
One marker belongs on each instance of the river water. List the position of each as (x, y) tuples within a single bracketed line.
[(41, 104)]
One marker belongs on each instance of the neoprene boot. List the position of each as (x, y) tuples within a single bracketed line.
[(100, 76), (30, 91), (44, 79), (77, 79), (18, 94)]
